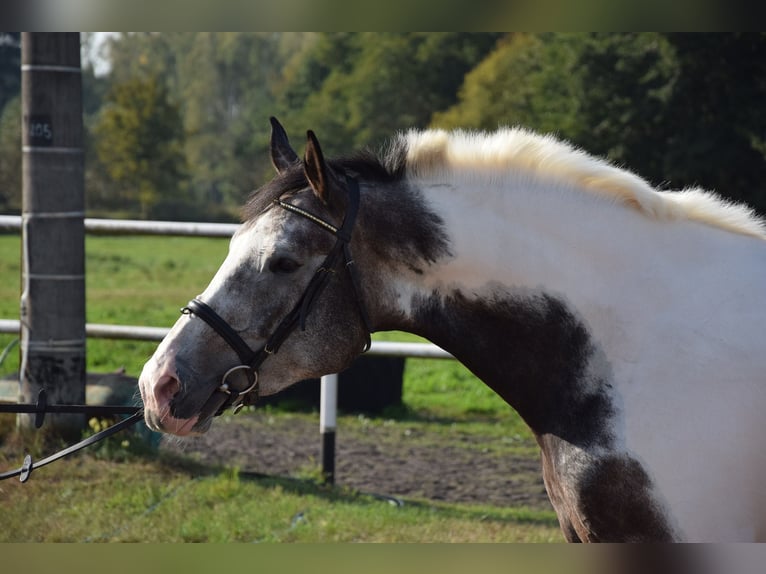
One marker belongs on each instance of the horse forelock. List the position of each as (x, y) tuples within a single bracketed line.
[(508, 151), (364, 165), (260, 199)]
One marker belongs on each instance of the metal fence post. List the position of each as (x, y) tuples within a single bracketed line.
[(53, 233), (328, 415)]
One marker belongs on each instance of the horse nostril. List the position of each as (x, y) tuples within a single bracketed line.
[(165, 389)]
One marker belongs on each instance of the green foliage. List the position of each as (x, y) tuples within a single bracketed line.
[(628, 80), (356, 90), (224, 84), (679, 109), (139, 142), (10, 66), (213, 86), (603, 91), (715, 119), (10, 157), (527, 80)]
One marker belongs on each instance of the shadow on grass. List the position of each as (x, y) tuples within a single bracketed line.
[(399, 413), (13, 444), (346, 495)]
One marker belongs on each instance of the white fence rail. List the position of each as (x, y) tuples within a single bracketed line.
[(128, 332), (138, 227)]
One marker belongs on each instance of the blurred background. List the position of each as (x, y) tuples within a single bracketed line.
[(177, 123)]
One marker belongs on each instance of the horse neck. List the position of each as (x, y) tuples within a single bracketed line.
[(531, 283), (608, 261)]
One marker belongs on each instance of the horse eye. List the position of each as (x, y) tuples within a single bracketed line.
[(283, 265)]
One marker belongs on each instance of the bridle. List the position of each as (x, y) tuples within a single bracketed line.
[(250, 360)]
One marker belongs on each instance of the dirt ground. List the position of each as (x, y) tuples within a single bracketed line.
[(382, 459)]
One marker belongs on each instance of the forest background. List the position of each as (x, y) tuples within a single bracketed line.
[(177, 127)]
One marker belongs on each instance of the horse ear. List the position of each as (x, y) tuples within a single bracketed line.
[(282, 155), (316, 169)]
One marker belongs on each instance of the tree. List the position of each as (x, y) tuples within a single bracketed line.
[(627, 82), (715, 124), (10, 66), (139, 140), (357, 89), (528, 80), (679, 109), (10, 121), (353, 89), (224, 85), (10, 156)]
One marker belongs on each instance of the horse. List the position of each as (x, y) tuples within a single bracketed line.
[(622, 322)]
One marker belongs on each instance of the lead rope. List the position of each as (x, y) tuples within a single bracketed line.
[(25, 470)]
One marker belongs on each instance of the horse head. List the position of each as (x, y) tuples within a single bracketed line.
[(285, 305)]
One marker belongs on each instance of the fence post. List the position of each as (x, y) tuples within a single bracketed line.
[(53, 234), (328, 415)]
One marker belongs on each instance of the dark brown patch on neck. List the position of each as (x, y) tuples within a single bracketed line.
[(533, 352)]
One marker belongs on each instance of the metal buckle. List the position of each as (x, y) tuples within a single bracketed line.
[(237, 403)]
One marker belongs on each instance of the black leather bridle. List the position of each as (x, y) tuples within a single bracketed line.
[(252, 360)]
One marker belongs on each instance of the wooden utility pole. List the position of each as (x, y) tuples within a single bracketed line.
[(53, 232)]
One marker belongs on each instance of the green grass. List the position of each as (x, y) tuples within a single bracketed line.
[(168, 501), (144, 281), (10, 281)]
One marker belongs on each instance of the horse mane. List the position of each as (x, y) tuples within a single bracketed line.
[(438, 152)]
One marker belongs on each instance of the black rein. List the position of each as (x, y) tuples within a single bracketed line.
[(42, 407)]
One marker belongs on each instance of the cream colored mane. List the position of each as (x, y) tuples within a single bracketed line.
[(434, 151)]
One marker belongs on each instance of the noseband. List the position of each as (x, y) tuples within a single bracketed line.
[(252, 360)]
